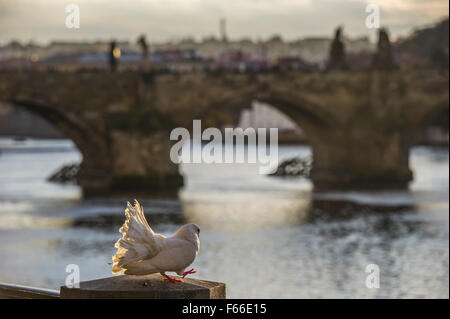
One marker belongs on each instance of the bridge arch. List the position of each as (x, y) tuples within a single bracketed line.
[(305, 115), (94, 170), (434, 112), (433, 125), (315, 124)]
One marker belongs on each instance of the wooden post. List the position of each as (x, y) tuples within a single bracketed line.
[(144, 287)]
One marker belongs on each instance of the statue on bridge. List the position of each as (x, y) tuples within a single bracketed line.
[(142, 41), (383, 58), (337, 52)]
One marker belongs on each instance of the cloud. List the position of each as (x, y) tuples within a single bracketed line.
[(43, 20)]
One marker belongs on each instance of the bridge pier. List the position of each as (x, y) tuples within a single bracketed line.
[(136, 162), (142, 162), (361, 160)]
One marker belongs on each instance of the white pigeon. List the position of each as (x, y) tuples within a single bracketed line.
[(141, 251)]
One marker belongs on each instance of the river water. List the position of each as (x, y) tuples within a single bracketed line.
[(265, 237)]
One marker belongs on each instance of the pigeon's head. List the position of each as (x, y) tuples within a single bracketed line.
[(194, 229), (190, 232)]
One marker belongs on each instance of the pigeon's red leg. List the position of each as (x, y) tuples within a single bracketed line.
[(191, 271), (171, 279)]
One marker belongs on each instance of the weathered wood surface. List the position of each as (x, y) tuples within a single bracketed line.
[(10, 291), (145, 287)]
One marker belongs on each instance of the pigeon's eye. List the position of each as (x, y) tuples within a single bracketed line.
[(198, 231)]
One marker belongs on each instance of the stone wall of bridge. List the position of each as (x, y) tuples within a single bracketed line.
[(360, 124)]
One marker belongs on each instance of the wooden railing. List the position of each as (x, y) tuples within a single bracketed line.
[(10, 291), (126, 287)]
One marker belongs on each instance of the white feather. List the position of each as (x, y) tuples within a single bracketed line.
[(141, 251), (138, 240)]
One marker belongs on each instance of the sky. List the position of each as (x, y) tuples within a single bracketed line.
[(41, 21)]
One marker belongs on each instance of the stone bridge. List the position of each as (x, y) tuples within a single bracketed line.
[(360, 124)]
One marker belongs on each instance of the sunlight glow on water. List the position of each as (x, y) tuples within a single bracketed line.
[(264, 237)]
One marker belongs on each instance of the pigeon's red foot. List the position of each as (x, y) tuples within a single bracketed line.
[(189, 272), (171, 279)]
